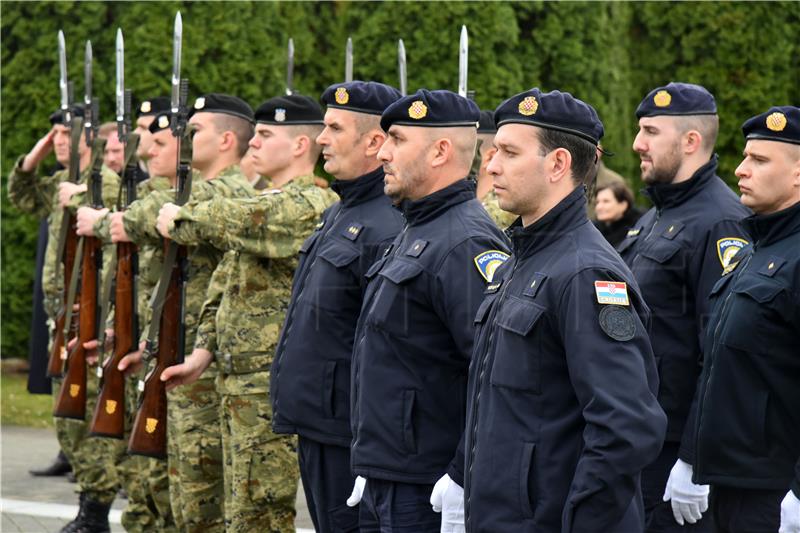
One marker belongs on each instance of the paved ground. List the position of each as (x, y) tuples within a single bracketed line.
[(42, 505)]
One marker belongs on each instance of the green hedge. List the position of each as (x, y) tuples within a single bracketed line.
[(608, 53)]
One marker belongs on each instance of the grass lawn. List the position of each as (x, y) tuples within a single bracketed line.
[(20, 408)]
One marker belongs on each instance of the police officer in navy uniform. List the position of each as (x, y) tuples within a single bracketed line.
[(415, 333), (310, 383), (748, 399), (562, 412), (677, 251)]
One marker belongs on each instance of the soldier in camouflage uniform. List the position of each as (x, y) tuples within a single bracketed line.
[(483, 154), (223, 128), (145, 478), (47, 196), (245, 307)]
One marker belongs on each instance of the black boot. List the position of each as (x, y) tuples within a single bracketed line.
[(92, 517), (58, 467)]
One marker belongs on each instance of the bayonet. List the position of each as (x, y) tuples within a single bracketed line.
[(348, 60), (88, 111), (63, 84), (401, 65), (177, 38), (119, 93), (290, 67), (463, 63)]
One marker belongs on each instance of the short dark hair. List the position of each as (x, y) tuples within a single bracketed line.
[(620, 191), (584, 153), (242, 129)]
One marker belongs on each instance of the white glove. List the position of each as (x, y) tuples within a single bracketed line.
[(448, 498), (358, 491), (790, 514), (689, 501)]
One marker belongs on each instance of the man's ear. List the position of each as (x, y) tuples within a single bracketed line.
[(442, 151), (300, 145), (692, 142), (374, 139), (227, 142), (559, 165)]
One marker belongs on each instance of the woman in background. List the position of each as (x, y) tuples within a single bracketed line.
[(615, 211)]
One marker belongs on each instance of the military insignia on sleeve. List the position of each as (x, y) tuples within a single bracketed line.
[(163, 121), (200, 103), (611, 292), (488, 261), (280, 115), (528, 106), (418, 110), (617, 322), (776, 121), (145, 107), (341, 96), (727, 247), (662, 99)]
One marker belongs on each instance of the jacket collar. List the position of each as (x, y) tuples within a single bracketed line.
[(433, 205), (672, 194), (363, 188), (567, 215), (766, 229)]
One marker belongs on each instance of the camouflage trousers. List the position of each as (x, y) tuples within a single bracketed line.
[(194, 456), (261, 472)]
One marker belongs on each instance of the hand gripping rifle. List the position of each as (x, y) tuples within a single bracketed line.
[(149, 434), (67, 238), (109, 414), (71, 402)]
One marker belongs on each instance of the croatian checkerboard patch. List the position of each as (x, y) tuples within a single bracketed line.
[(488, 261), (611, 292)]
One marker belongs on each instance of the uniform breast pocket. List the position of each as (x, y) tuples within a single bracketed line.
[(661, 251), (517, 350), (755, 318), (396, 296), (338, 254)]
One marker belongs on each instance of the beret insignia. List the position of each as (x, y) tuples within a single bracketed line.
[(200, 103), (163, 121), (145, 107), (662, 99), (341, 96), (280, 114), (528, 106), (776, 121), (417, 110)]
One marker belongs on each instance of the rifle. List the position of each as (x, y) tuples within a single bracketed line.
[(71, 402), (149, 433), (67, 238), (109, 414)]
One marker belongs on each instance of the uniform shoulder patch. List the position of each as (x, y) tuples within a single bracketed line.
[(611, 292), (617, 322), (488, 261), (728, 247)]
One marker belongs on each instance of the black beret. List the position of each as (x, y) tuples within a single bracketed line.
[(431, 109), (154, 106), (780, 123), (287, 110), (223, 103), (362, 96), (57, 117), (486, 123), (555, 110), (161, 122), (677, 99)]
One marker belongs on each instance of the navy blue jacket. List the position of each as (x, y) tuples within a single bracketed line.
[(310, 380), (748, 399), (677, 251), (562, 412), (414, 338)]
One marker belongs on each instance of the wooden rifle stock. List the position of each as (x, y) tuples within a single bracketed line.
[(55, 365), (71, 402), (149, 433), (109, 414)]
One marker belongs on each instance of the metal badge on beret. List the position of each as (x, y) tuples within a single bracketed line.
[(163, 121), (662, 99), (280, 115), (145, 107), (341, 96), (617, 322), (417, 110), (200, 103), (528, 106), (776, 121)]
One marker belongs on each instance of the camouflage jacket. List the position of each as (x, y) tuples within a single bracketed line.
[(503, 219), (250, 290)]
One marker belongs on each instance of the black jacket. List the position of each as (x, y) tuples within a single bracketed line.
[(562, 410), (414, 338), (748, 399), (310, 380), (677, 251), (615, 232)]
